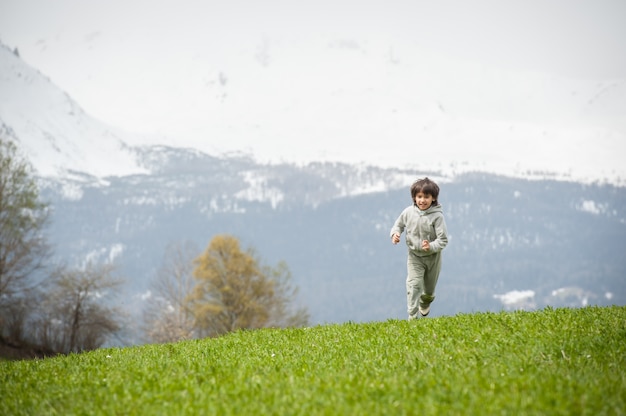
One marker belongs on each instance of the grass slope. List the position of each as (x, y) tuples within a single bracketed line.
[(554, 361)]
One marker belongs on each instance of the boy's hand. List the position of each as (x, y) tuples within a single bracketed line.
[(395, 238), (425, 245)]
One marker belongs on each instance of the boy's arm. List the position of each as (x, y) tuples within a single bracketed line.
[(442, 235), (398, 227)]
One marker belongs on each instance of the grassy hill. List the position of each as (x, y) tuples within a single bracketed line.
[(553, 361)]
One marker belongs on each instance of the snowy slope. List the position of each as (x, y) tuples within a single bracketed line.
[(53, 131), (523, 88), (276, 108), (350, 102)]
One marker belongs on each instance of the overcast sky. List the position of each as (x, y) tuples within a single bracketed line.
[(119, 39), (574, 37)]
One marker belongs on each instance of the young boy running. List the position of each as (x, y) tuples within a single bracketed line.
[(426, 236)]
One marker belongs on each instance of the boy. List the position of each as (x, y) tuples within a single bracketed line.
[(426, 236)]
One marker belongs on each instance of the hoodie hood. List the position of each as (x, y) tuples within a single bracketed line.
[(430, 210)]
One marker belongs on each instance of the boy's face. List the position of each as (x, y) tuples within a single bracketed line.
[(423, 201)]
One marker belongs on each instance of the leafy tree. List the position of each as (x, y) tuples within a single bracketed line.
[(234, 291), (23, 248), (77, 313), (22, 220), (167, 317)]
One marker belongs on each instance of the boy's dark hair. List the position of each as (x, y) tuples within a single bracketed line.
[(426, 186)]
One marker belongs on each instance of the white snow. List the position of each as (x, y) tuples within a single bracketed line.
[(71, 191), (107, 254), (573, 295), (259, 190), (115, 251), (515, 297), (592, 207), (145, 296), (55, 134)]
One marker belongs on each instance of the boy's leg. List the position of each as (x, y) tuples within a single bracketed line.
[(414, 284), (431, 275)]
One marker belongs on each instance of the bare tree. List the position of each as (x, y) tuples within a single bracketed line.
[(78, 314), (167, 317), (16, 315), (23, 247), (282, 311), (234, 291)]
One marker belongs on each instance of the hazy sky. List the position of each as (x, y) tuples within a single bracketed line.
[(82, 44), (573, 37)]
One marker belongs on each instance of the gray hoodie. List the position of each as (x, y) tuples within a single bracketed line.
[(422, 225)]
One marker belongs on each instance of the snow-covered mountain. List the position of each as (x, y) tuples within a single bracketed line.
[(53, 131), (514, 243), (69, 147), (352, 96)]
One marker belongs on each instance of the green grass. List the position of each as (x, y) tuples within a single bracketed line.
[(554, 361)]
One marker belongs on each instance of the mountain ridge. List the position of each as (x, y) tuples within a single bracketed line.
[(53, 131), (515, 242), (58, 136)]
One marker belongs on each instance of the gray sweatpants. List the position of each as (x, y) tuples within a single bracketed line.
[(421, 280)]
